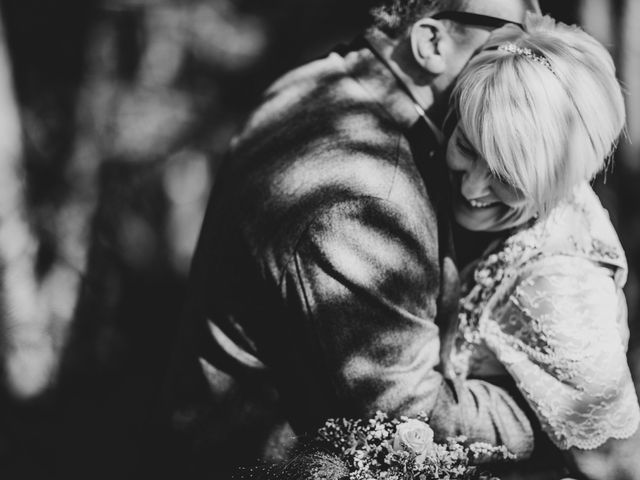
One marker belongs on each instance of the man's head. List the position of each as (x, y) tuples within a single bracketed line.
[(432, 46), (394, 17)]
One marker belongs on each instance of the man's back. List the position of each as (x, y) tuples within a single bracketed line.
[(320, 164)]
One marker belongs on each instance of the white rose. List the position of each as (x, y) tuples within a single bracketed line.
[(415, 437)]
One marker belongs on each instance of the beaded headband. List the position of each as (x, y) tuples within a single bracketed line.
[(527, 52)]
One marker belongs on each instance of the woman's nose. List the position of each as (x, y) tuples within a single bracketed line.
[(476, 181)]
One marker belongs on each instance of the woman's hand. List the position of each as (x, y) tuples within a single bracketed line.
[(614, 459)]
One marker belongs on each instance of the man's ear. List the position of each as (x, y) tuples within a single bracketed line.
[(427, 37)]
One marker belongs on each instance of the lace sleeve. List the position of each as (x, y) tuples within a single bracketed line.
[(561, 333)]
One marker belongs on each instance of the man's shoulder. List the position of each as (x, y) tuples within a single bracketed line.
[(318, 100), (317, 128)]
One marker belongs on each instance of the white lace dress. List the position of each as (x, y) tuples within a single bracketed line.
[(547, 308)]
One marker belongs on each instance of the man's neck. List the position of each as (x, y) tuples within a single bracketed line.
[(398, 58)]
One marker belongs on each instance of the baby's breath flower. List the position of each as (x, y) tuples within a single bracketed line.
[(367, 447)]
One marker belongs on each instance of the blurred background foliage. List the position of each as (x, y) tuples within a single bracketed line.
[(115, 115)]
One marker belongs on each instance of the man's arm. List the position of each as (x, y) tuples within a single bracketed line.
[(366, 276)]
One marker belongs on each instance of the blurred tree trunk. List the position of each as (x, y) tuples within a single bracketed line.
[(625, 36), (629, 60), (628, 169), (27, 352)]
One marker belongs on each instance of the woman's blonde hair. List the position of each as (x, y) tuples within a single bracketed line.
[(542, 106)]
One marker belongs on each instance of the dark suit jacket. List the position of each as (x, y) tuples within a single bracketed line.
[(318, 276)]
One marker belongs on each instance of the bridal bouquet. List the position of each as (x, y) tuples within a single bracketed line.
[(403, 449)]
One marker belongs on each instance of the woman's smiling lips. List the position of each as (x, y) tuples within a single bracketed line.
[(475, 203)]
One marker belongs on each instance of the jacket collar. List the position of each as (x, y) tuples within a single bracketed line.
[(366, 65)]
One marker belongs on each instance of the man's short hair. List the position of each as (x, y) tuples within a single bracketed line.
[(393, 17)]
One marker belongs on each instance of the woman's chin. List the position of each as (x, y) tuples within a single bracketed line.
[(489, 219)]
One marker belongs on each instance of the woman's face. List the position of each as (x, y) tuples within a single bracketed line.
[(481, 201)]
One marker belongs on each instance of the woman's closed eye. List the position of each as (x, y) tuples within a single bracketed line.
[(501, 179), (465, 147)]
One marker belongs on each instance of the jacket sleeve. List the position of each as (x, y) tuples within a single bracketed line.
[(366, 275)]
